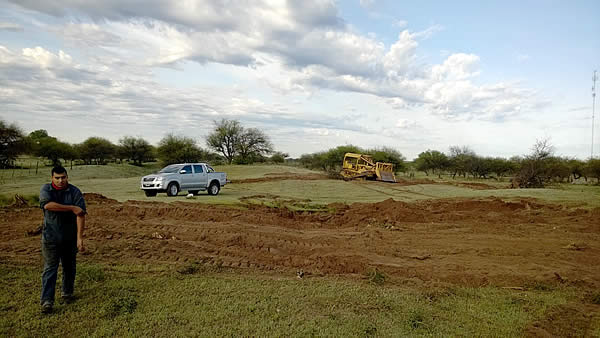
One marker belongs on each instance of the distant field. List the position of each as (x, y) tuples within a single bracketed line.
[(121, 182)]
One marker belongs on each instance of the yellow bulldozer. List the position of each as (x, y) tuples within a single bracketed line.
[(359, 166)]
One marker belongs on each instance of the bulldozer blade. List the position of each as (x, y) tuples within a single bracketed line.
[(387, 177)]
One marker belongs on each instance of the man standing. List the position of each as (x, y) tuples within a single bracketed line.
[(62, 236)]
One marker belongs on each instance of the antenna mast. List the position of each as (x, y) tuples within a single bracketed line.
[(594, 78)]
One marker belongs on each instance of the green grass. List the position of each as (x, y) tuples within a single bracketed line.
[(121, 300), (121, 182)]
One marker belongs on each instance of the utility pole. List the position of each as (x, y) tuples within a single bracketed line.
[(594, 78)]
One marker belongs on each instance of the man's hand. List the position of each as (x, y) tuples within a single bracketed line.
[(80, 246), (77, 210)]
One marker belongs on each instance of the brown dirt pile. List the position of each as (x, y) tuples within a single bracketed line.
[(458, 241)]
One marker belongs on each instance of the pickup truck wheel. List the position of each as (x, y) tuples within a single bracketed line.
[(213, 188), (150, 193), (172, 189)]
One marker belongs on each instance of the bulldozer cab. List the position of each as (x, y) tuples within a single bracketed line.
[(360, 166)]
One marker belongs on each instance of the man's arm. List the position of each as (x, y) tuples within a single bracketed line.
[(80, 229), (53, 206)]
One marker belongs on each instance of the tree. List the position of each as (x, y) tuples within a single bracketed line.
[(53, 149), (252, 144), (502, 167), (577, 168), (461, 160), (12, 144), (432, 160), (592, 169), (388, 155), (179, 149), (38, 134), (96, 149), (534, 170), (225, 138), (279, 157), (137, 150)]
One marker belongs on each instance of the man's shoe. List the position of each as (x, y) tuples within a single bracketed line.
[(68, 299), (46, 307)]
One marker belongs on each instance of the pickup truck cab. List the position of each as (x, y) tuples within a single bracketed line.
[(193, 177)]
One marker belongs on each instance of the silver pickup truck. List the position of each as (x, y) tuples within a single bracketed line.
[(192, 177)]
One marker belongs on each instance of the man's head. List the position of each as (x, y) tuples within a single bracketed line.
[(59, 177)]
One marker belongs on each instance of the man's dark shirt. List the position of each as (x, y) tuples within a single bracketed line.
[(60, 226)]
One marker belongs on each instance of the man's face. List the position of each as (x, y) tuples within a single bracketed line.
[(60, 180)]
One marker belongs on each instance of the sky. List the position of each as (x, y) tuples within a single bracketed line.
[(495, 76)]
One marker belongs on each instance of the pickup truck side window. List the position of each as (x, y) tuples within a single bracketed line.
[(209, 169), (198, 169), (188, 169)]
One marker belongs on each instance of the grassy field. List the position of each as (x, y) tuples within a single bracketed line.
[(121, 182), (159, 300)]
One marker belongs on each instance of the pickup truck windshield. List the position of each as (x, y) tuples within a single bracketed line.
[(173, 168)]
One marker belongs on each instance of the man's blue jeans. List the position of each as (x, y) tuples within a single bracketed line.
[(55, 253)]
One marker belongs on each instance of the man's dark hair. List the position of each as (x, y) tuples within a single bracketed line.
[(59, 169)]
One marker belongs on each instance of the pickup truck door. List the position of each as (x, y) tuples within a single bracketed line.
[(200, 177), (187, 178)]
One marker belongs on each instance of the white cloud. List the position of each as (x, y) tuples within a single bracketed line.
[(366, 3), (400, 23), (522, 57), (12, 27), (288, 49)]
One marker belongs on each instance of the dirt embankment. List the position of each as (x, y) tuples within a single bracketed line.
[(399, 181), (459, 241)]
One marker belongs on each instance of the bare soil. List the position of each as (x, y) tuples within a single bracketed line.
[(471, 242)]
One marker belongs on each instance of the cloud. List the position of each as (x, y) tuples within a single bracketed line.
[(307, 42), (400, 23), (522, 57), (366, 3), (11, 27)]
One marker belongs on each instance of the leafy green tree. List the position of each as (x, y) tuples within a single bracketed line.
[(278, 157), (432, 160), (53, 149), (179, 149), (12, 143), (592, 169), (461, 160), (225, 138), (252, 146), (135, 149), (388, 155), (96, 149), (577, 168), (502, 167)]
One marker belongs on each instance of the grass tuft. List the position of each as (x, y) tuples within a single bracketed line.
[(87, 273), (122, 302), (416, 319), (376, 277)]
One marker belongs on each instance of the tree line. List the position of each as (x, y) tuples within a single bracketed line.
[(533, 170), (229, 142)]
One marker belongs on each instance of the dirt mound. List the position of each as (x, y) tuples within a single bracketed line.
[(458, 241), (282, 177), (95, 198)]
